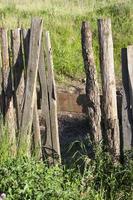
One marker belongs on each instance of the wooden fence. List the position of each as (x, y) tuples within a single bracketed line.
[(116, 133), (27, 66)]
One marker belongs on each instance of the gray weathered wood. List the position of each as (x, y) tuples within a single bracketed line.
[(8, 110), (1, 114), (92, 90), (36, 131), (18, 72), (47, 143), (130, 71), (36, 125), (26, 41), (34, 51), (129, 75), (109, 86), (52, 98)]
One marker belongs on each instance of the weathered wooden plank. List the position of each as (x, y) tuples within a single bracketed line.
[(34, 51), (52, 98), (36, 126), (92, 90), (26, 41), (109, 86), (7, 100), (47, 143), (18, 73), (1, 114), (36, 131), (129, 78), (130, 71)]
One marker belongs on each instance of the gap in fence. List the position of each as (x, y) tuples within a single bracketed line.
[(31, 106)]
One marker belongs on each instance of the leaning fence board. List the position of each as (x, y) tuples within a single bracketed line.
[(109, 86), (36, 131), (48, 146), (18, 73), (7, 100), (36, 127), (130, 88), (130, 71), (52, 98), (92, 90), (1, 91), (34, 51), (26, 41)]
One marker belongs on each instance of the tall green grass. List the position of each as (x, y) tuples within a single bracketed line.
[(101, 179), (63, 19)]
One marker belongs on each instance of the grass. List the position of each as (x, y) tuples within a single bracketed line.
[(100, 179), (82, 178), (63, 19)]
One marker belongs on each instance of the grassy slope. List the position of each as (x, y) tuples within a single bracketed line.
[(63, 19)]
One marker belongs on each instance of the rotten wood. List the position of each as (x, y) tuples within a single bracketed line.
[(92, 90), (111, 123)]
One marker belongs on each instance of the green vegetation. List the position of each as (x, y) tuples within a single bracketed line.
[(63, 19), (82, 178), (98, 178)]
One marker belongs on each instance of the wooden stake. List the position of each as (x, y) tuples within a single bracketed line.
[(52, 99), (18, 69), (8, 110), (129, 76), (92, 90), (34, 51), (48, 145), (109, 87)]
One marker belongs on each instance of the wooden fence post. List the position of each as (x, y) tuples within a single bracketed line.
[(18, 74), (45, 112), (36, 126), (109, 86), (8, 110), (36, 131), (130, 90), (92, 90), (34, 51), (52, 99)]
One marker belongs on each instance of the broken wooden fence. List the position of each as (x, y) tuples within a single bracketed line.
[(117, 134), (26, 64)]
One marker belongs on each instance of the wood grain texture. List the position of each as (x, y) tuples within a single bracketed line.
[(92, 90), (52, 99), (47, 142), (7, 99), (36, 132), (37, 149), (33, 62), (18, 73), (111, 123), (128, 75)]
